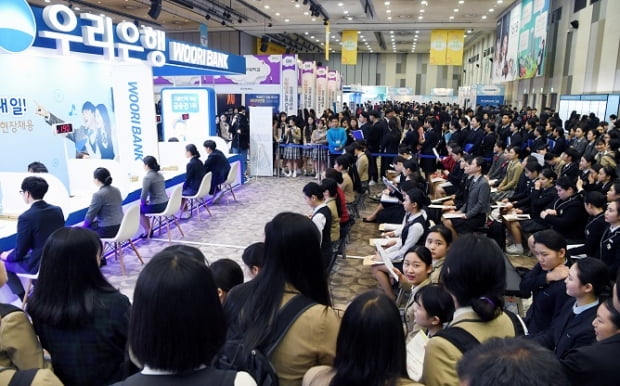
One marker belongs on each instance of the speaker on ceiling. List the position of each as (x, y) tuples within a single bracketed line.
[(155, 9), (575, 24), (264, 43)]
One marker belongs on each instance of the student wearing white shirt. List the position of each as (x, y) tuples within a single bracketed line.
[(415, 224)]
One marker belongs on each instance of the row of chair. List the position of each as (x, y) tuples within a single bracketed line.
[(131, 221)]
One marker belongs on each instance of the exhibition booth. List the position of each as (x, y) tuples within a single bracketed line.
[(78, 93)]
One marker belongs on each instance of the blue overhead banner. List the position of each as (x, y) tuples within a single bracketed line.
[(59, 27), (187, 59)]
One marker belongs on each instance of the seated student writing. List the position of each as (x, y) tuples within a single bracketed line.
[(433, 308), (413, 229), (586, 283)]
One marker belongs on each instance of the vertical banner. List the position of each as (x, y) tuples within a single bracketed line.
[(454, 49), (308, 85), (331, 87), (532, 47), (327, 41), (349, 47), (204, 35), (321, 90), (439, 39), (261, 138), (289, 84)]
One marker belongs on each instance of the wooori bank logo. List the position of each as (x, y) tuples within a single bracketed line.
[(17, 26)]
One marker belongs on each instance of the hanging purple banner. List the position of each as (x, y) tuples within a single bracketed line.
[(260, 69)]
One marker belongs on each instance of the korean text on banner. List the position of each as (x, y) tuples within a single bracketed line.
[(439, 40), (454, 49), (349, 47)]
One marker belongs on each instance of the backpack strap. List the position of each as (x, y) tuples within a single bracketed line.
[(516, 322), (460, 338), (284, 320), (23, 377)]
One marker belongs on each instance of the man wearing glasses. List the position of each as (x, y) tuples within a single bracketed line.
[(33, 228)]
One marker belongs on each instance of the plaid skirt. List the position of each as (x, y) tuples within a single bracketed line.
[(307, 151), (319, 153), (290, 152)]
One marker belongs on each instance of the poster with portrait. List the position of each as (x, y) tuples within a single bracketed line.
[(32, 103)]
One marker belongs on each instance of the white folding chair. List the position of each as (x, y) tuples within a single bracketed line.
[(28, 278), (232, 177), (199, 197), (169, 214), (129, 227)]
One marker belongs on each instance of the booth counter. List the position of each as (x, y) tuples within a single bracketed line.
[(74, 206)]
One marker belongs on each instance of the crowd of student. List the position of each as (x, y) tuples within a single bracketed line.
[(191, 323)]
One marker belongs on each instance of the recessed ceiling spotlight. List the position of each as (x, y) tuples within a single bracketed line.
[(389, 17), (305, 33), (451, 17), (417, 32), (420, 17), (456, 9), (286, 20), (314, 19), (484, 17), (386, 3), (306, 13), (266, 6), (277, 13), (461, 2), (340, 4), (491, 10), (297, 5), (345, 11), (388, 11), (421, 11), (424, 2)]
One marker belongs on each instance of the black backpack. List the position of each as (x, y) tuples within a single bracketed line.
[(257, 363), (464, 341)]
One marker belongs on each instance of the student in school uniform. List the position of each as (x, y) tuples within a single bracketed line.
[(594, 203), (610, 241)]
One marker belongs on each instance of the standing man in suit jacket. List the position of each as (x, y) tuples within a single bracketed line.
[(33, 228), (240, 128), (477, 200), (217, 164)]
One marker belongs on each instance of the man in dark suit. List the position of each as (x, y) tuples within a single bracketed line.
[(33, 228), (217, 164), (240, 129)]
